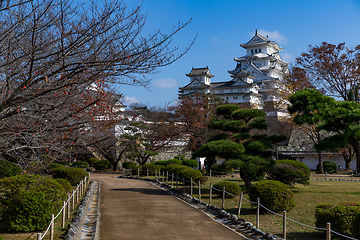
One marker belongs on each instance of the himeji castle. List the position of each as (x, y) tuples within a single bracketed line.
[(252, 80)]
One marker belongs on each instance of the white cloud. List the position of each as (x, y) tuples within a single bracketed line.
[(166, 83), (131, 100), (274, 35), (217, 40), (287, 57)]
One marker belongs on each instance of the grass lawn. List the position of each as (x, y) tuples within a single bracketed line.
[(306, 198)]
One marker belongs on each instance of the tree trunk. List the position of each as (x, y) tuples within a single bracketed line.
[(321, 168), (355, 144), (244, 176)]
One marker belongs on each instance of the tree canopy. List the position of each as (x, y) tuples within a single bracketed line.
[(340, 118), (59, 63)]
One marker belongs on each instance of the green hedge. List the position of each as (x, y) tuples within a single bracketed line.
[(340, 216), (290, 172), (65, 184), (9, 169), (73, 175), (329, 167), (152, 167), (189, 173), (355, 227), (101, 165), (81, 164), (191, 163), (175, 169), (274, 195), (92, 160), (161, 163), (28, 202), (230, 187), (128, 165), (176, 161)]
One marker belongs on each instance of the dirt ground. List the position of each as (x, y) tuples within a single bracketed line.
[(134, 209)]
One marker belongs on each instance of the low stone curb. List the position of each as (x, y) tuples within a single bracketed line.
[(217, 214), (87, 216)]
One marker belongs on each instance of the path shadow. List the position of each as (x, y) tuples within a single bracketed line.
[(147, 191)]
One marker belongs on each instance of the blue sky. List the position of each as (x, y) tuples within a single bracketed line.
[(222, 25)]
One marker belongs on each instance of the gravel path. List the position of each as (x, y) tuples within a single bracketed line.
[(132, 209)]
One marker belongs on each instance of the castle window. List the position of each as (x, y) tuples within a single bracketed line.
[(260, 50), (227, 98), (252, 51), (255, 50)]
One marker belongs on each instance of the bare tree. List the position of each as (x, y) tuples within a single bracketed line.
[(58, 63)]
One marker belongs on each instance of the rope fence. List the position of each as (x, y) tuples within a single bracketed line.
[(66, 209), (165, 176)]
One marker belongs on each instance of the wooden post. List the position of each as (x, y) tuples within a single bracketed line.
[(172, 180), (240, 201), (163, 176), (147, 173), (77, 194), (63, 215), (38, 236), (223, 198), (210, 193), (155, 174), (326, 176), (352, 176), (191, 188), (210, 172), (177, 181), (68, 206), (123, 170), (284, 224), (328, 231), (258, 213), (138, 172), (130, 171), (73, 200), (199, 190), (167, 178), (52, 227), (183, 184)]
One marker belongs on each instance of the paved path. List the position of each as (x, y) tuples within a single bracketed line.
[(133, 209)]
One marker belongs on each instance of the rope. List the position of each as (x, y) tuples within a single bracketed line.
[(64, 205)]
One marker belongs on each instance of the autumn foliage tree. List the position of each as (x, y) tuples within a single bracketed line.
[(58, 63)]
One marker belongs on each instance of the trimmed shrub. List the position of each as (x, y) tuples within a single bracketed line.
[(92, 160), (355, 227), (134, 170), (274, 195), (128, 165), (176, 161), (161, 163), (290, 172), (340, 216), (28, 202), (152, 167), (329, 167), (191, 163), (189, 173), (101, 165), (64, 162), (64, 183), (175, 168), (9, 169), (256, 172), (221, 169), (161, 167), (230, 187), (55, 165), (81, 164), (73, 175)]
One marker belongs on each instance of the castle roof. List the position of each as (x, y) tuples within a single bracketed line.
[(259, 40), (200, 72)]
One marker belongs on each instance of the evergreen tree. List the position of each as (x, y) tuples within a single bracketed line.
[(236, 142)]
